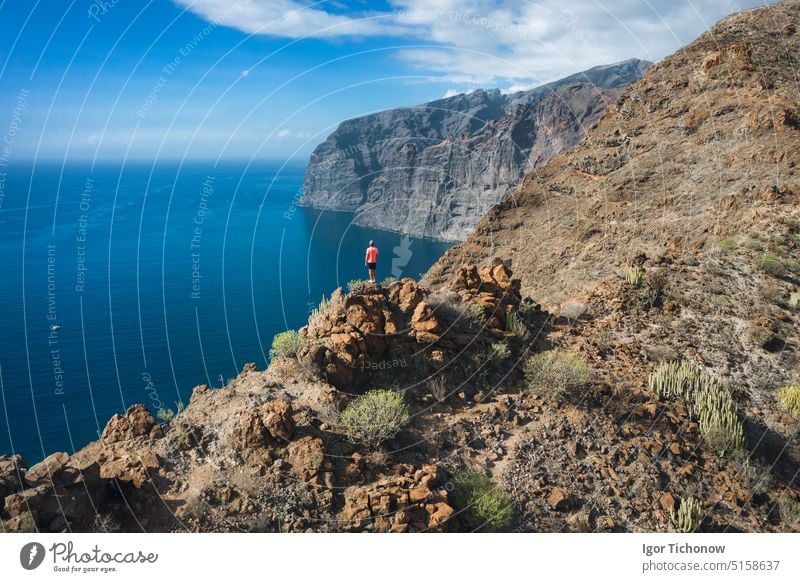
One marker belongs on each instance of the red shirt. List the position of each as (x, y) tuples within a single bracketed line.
[(372, 254)]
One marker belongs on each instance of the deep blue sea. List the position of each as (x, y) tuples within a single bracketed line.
[(133, 283)]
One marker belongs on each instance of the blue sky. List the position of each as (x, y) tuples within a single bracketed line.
[(229, 79)]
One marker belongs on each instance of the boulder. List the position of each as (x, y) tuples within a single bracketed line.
[(137, 467), (12, 468), (136, 422), (48, 470), (307, 455), (278, 420), (251, 433), (559, 499), (667, 502)]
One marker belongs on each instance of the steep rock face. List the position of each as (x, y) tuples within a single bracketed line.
[(433, 170), (703, 147), (691, 180)]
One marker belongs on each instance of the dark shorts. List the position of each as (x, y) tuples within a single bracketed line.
[(372, 266)]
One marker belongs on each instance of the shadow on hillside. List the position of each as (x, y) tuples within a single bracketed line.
[(774, 450)]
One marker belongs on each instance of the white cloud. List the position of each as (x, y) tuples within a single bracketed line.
[(451, 93), (492, 42), (287, 133), (289, 19)]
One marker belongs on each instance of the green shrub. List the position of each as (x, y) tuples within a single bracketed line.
[(790, 510), (482, 503), (789, 397), (374, 417), (358, 285), (688, 517), (498, 353), (527, 307), (707, 400), (447, 305), (726, 245), (286, 343), (165, 414), (319, 311), (792, 265), (771, 264), (756, 475), (556, 373), (476, 314), (634, 276)]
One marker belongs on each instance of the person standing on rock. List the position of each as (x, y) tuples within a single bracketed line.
[(371, 261)]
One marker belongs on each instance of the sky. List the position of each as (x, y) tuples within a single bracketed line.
[(270, 79)]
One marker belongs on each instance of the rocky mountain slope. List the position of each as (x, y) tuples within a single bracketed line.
[(671, 233), (433, 170)]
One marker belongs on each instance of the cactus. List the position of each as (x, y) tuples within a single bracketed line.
[(688, 517), (789, 397), (707, 400), (513, 324), (634, 276)]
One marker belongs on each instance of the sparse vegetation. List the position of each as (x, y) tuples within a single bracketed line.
[(792, 266), (476, 314), (483, 504), (438, 387), (757, 335), (25, 523), (771, 293), (556, 373), (374, 417), (688, 517), (513, 324), (527, 307), (771, 264), (634, 276), (789, 509), (707, 400), (726, 245), (498, 353), (387, 281), (573, 311), (358, 285), (105, 523), (286, 343), (319, 311), (757, 477), (789, 397), (755, 244), (165, 414)]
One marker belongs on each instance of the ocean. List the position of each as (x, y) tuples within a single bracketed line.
[(134, 283)]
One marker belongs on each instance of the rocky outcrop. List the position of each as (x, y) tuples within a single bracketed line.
[(433, 170), (408, 501), (380, 331)]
